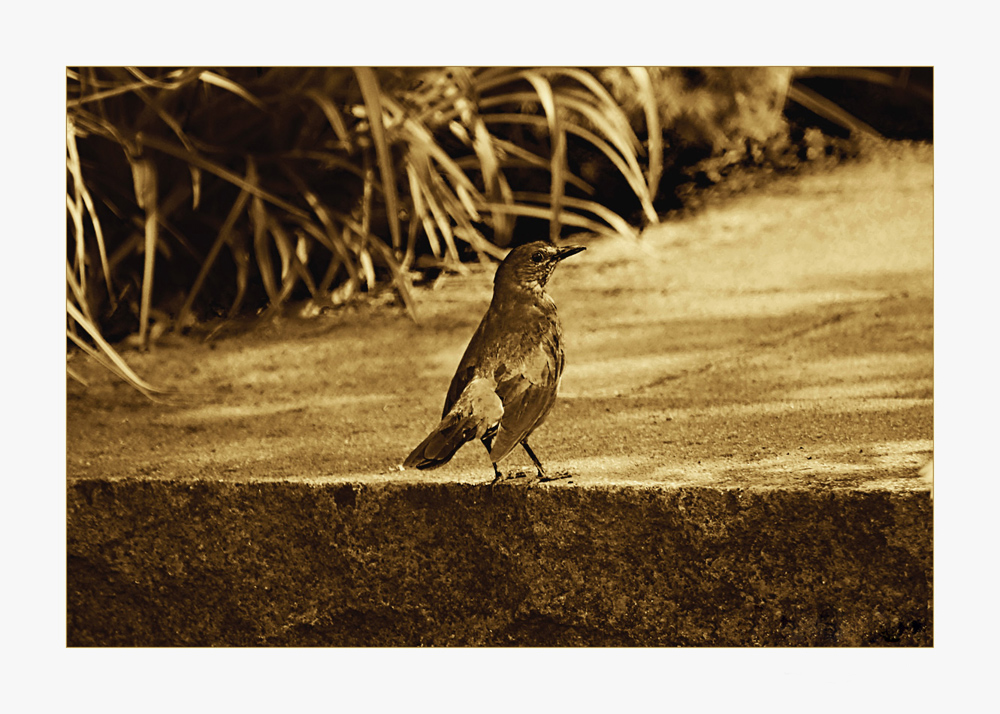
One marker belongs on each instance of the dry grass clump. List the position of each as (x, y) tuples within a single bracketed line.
[(197, 193)]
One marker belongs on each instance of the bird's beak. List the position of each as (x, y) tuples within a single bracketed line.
[(568, 251)]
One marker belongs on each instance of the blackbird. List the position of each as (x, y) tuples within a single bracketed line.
[(507, 380)]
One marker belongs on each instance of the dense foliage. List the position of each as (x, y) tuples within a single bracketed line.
[(196, 193)]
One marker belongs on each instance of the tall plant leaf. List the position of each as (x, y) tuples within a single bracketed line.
[(372, 95), (557, 139), (652, 112), (147, 197), (107, 356)]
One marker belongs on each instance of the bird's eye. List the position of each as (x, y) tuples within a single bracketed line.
[(537, 257)]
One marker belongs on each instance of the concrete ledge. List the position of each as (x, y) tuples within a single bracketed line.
[(344, 563)]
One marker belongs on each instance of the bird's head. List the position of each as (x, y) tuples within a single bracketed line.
[(530, 265)]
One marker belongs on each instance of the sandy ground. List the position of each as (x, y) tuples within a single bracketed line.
[(782, 338)]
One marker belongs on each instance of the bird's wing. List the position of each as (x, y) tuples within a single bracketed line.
[(476, 412), (527, 391), (463, 375), (466, 367)]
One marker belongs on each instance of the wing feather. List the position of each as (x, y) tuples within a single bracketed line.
[(528, 393), (476, 412)]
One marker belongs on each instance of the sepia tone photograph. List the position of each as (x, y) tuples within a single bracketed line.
[(500, 356)]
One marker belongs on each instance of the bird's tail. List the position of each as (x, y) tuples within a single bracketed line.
[(441, 445), (477, 411)]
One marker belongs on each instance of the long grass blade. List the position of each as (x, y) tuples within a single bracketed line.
[(334, 239), (568, 218), (367, 268), (213, 168), (652, 112), (309, 228), (503, 223), (259, 219), (326, 159), (623, 143), (74, 205), (195, 186), (371, 93), (146, 193), (482, 144), (102, 359), (175, 78), (627, 165), (293, 266), (489, 80), (819, 104), (104, 94), (80, 188), (635, 180), (614, 114), (240, 251), (77, 291), (221, 239), (594, 88), (94, 124), (495, 183), (298, 257), (594, 94), (399, 279), (366, 193), (332, 114), (286, 251), (181, 77), (420, 209), (525, 157), (229, 85), (76, 375), (78, 266), (623, 140), (167, 118), (874, 76), (108, 351), (557, 142), (610, 217), (430, 187), (464, 228), (416, 134), (410, 255)]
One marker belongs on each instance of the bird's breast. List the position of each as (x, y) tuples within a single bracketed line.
[(518, 341), (529, 344)]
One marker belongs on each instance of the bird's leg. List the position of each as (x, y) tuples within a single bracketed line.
[(488, 443), (538, 464), (496, 477)]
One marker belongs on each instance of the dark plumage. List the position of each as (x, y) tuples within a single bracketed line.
[(508, 377)]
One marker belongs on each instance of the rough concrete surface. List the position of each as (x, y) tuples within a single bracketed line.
[(747, 401), (337, 563)]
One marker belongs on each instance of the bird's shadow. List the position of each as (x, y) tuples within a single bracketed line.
[(527, 478)]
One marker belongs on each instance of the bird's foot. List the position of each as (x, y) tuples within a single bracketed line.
[(519, 477), (544, 477)]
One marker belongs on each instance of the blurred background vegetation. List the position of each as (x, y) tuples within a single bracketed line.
[(200, 195)]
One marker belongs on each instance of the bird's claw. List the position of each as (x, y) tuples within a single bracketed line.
[(546, 478), (515, 476)]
